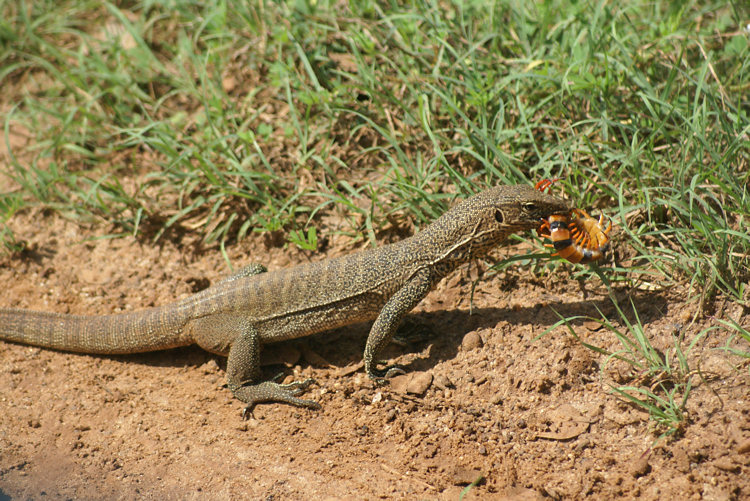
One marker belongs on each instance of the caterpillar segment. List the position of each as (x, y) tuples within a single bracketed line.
[(576, 237)]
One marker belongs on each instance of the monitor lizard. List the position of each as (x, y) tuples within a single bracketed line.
[(238, 315)]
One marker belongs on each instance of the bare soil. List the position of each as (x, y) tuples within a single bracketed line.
[(483, 396)]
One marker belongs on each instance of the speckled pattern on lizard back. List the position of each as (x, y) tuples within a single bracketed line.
[(236, 316)]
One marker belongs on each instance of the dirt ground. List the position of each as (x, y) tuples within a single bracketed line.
[(482, 398)]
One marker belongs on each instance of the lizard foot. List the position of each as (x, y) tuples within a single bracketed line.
[(269, 391), (381, 376)]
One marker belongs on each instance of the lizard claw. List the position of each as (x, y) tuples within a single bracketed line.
[(247, 411), (297, 387), (381, 376)]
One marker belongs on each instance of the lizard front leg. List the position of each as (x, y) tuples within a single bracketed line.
[(384, 327), (245, 271)]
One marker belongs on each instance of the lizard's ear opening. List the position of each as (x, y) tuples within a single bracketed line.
[(499, 217)]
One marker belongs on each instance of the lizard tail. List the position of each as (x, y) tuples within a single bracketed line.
[(147, 330)]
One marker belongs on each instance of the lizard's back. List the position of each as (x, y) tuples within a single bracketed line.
[(306, 299)]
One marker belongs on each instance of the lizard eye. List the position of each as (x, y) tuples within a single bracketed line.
[(499, 216), (530, 206)]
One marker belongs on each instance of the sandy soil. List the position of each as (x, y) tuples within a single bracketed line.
[(483, 397)]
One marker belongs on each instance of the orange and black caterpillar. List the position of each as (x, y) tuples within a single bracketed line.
[(576, 236)]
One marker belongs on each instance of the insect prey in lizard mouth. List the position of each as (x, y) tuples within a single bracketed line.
[(575, 236)]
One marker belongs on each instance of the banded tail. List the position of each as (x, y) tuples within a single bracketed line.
[(133, 332)]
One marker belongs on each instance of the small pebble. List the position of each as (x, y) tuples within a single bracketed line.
[(641, 467), (726, 464), (442, 382), (419, 384), (461, 475), (471, 341)]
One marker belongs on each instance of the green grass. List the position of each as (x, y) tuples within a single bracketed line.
[(738, 343), (660, 381), (233, 117)]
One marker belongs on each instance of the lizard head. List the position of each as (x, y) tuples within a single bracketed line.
[(521, 207), (476, 225)]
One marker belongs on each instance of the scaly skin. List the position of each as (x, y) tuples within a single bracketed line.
[(238, 315)]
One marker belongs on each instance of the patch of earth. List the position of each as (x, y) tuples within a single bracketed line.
[(483, 395)]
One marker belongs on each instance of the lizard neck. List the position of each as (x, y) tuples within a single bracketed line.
[(461, 235), (445, 245)]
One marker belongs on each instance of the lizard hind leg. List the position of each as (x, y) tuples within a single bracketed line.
[(243, 375)]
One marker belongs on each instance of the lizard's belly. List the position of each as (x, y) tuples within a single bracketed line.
[(320, 318)]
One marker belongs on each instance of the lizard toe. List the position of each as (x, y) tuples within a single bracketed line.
[(381, 376), (269, 391)]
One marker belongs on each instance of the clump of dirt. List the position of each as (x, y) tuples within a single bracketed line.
[(484, 401)]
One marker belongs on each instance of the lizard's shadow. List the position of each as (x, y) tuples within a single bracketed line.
[(344, 346), (447, 328)]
